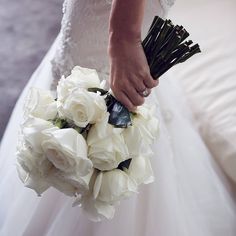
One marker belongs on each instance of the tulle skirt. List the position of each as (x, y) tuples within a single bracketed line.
[(190, 195)]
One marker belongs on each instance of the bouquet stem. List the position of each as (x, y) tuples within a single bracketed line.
[(164, 46)]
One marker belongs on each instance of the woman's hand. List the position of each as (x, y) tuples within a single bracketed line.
[(129, 72)]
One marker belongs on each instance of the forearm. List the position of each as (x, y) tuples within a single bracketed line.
[(126, 19), (129, 70)]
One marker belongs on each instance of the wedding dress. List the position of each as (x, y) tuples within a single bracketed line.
[(190, 195)]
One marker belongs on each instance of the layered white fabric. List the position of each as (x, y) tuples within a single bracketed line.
[(209, 79), (190, 195)]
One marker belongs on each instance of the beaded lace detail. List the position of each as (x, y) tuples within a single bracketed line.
[(62, 61)]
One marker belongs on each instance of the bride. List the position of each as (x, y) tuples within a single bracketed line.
[(190, 196)]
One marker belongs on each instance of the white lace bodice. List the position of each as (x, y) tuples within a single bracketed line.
[(83, 37)]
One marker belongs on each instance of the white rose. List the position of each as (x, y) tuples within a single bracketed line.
[(35, 182), (33, 168), (41, 104), (94, 209), (106, 145), (144, 130), (80, 77), (32, 162), (70, 184), (67, 150), (147, 123), (59, 183), (134, 140), (32, 132), (83, 107), (38, 173), (140, 170), (80, 182), (112, 186)]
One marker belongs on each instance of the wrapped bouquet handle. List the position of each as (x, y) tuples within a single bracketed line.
[(164, 47)]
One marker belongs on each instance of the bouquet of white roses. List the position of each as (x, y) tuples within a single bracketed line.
[(84, 142), (67, 143)]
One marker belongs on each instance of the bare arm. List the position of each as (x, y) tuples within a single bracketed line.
[(129, 71), (126, 19)]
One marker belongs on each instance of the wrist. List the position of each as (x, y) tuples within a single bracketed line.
[(120, 42), (124, 36)]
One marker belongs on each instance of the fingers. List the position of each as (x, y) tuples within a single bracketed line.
[(137, 83), (134, 96), (149, 82), (123, 98), (127, 94), (145, 93), (132, 90), (144, 80)]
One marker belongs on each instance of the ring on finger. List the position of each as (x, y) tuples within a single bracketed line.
[(145, 92)]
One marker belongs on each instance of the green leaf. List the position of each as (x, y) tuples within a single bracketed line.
[(95, 90), (60, 123)]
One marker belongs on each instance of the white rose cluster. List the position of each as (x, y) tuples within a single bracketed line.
[(68, 143)]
